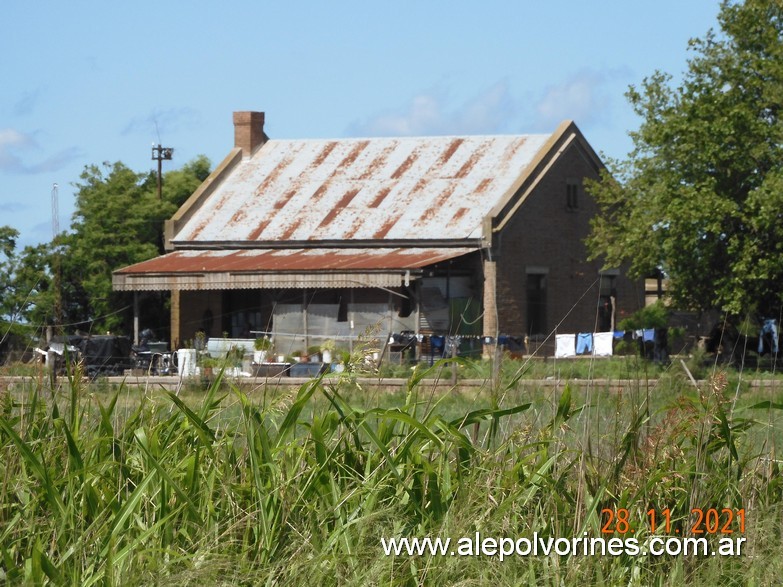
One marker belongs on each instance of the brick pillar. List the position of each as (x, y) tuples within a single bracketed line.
[(490, 321), (176, 335)]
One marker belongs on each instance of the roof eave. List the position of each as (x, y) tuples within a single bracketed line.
[(328, 244)]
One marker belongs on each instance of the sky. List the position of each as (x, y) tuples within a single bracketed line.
[(84, 83)]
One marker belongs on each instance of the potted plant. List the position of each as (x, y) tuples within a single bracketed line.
[(209, 364), (344, 362), (200, 341), (326, 350), (263, 347), (314, 354), (235, 355)]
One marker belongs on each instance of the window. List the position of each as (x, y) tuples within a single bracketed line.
[(654, 288), (572, 194)]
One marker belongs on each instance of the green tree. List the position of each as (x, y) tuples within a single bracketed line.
[(10, 306), (118, 221), (31, 290), (8, 238), (701, 194), (21, 280), (23, 283)]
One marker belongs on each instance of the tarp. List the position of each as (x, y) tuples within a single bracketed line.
[(105, 354)]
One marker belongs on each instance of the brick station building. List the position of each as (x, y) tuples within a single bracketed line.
[(479, 236)]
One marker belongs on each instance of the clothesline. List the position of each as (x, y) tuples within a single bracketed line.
[(395, 338), (599, 344), (566, 345), (594, 343)]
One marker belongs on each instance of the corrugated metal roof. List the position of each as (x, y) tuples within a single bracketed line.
[(255, 268), (266, 260), (362, 189)]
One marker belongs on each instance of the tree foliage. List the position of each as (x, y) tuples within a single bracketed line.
[(118, 221), (10, 306), (21, 282), (8, 238), (701, 195)]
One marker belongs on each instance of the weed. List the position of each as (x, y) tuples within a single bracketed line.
[(223, 485)]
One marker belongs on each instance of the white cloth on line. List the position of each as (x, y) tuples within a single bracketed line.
[(565, 345), (602, 344)]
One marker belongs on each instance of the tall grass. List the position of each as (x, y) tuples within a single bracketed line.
[(272, 487)]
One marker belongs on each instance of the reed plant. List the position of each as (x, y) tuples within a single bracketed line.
[(237, 487)]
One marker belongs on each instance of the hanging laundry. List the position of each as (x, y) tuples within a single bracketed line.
[(768, 337), (565, 345), (602, 344), (438, 344), (584, 343), (515, 344), (661, 346)]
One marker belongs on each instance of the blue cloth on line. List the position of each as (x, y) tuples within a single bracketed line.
[(438, 343), (584, 343)]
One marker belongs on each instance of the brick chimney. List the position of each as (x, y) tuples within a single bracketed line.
[(249, 131)]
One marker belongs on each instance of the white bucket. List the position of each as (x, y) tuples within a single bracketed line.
[(186, 362)]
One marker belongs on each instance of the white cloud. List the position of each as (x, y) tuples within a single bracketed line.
[(585, 97), (13, 138), (13, 207), (428, 114), (12, 142), (56, 161), (582, 97), (161, 121), (489, 112)]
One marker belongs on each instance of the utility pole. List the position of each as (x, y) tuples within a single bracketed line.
[(161, 154)]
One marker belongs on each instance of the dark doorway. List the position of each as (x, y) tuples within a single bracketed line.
[(536, 303)]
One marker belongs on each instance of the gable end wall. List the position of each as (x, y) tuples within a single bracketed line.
[(545, 233)]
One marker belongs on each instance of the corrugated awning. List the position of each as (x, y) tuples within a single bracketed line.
[(280, 268)]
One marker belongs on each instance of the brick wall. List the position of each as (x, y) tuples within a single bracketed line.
[(546, 236)]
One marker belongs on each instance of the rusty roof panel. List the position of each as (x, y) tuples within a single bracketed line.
[(276, 260), (385, 189)]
